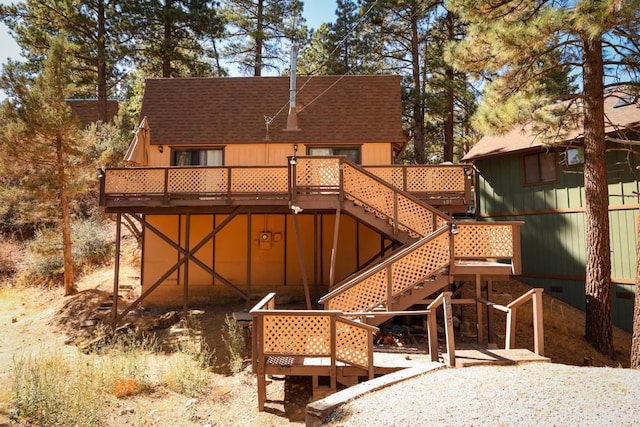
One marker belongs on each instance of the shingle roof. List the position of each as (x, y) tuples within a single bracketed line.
[(223, 110), (523, 138), (86, 110)]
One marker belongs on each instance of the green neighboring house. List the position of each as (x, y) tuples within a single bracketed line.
[(521, 179)]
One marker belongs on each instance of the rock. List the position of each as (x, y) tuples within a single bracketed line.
[(166, 320)]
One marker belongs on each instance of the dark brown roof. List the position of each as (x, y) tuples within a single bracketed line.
[(86, 110), (223, 110), (522, 137)]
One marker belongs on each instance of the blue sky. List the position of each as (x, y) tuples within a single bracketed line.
[(315, 11)]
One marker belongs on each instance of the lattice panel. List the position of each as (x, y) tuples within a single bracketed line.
[(441, 221), (134, 181), (488, 240), (413, 216), (420, 263), (259, 180), (392, 175), (377, 197), (352, 344), (318, 172), (198, 180), (298, 335), (363, 296), (435, 179)]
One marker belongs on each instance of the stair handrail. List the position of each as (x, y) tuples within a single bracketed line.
[(396, 191), (444, 300), (354, 280), (438, 216)]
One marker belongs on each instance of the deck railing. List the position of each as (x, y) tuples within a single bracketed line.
[(175, 185), (283, 335), (484, 240)]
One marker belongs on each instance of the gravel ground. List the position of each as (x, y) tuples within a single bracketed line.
[(537, 394)]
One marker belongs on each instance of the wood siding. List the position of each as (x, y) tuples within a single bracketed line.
[(553, 237), (274, 153), (274, 265)]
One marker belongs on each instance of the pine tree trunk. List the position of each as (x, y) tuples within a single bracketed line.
[(449, 122), (598, 329), (101, 59), (635, 341), (418, 114), (69, 280), (257, 70), (167, 42)]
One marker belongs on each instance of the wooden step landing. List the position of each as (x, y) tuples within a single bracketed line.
[(475, 357)]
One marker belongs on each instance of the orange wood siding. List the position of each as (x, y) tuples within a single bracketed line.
[(273, 153), (275, 265), (376, 154)]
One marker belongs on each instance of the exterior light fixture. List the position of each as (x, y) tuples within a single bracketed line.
[(453, 229), (160, 148)]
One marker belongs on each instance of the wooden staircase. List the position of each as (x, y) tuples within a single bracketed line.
[(434, 248)]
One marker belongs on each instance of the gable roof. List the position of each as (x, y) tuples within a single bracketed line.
[(224, 110), (522, 137), (86, 110)]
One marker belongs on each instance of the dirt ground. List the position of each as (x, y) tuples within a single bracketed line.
[(36, 321)]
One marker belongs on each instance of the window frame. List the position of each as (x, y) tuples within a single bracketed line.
[(540, 181), (176, 150), (358, 148), (572, 164)]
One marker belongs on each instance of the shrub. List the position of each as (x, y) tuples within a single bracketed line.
[(43, 256), (187, 368), (234, 340), (11, 253), (53, 391)]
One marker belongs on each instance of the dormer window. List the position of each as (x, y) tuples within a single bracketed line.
[(197, 157)]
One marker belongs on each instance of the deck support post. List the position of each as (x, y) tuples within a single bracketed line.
[(303, 268), (116, 273), (248, 301), (490, 331), (448, 328), (334, 249), (185, 292), (479, 311)]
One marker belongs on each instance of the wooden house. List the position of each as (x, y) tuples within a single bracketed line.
[(520, 178), (246, 187)]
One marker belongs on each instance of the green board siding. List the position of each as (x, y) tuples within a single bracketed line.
[(553, 243), (572, 292)]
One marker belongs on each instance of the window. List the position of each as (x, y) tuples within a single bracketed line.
[(351, 153), (575, 156), (540, 168), (197, 157)]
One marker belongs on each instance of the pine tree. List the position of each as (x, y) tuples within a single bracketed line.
[(92, 30), (344, 47), (174, 38), (39, 136), (527, 48), (257, 30)]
